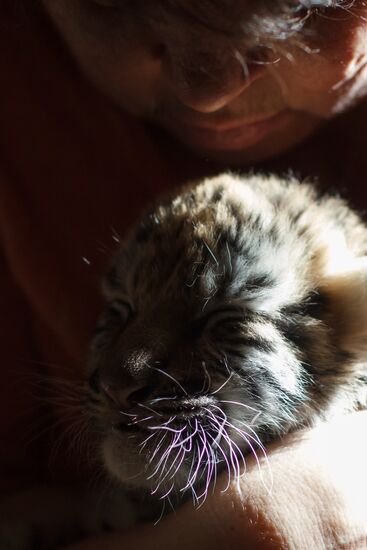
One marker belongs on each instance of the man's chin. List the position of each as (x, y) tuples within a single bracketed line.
[(292, 132)]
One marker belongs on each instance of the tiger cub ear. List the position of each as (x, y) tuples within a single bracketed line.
[(346, 292)]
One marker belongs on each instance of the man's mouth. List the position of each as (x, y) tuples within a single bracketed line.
[(226, 134)]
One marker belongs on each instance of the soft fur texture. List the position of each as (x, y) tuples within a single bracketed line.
[(236, 312)]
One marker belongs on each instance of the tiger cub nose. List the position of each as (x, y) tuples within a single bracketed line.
[(125, 397)]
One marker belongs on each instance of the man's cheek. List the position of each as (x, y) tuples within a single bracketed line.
[(318, 85)]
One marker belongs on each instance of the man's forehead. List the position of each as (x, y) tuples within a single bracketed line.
[(228, 7), (237, 18)]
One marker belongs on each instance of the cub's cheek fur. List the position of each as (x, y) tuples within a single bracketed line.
[(346, 290)]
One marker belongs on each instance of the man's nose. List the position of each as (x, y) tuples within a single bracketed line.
[(206, 91)]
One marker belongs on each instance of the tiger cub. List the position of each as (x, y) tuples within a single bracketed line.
[(236, 312)]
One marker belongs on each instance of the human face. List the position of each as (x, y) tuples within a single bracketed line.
[(214, 95)]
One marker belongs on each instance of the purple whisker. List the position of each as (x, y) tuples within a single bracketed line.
[(237, 447), (168, 471), (215, 462), (189, 448), (190, 436), (143, 443), (195, 499), (175, 466), (232, 454), (169, 421), (255, 437), (161, 459), (212, 415), (193, 477), (235, 462), (164, 458), (127, 414), (178, 466), (162, 427), (163, 469), (247, 438), (197, 449), (227, 423), (168, 492), (157, 448), (225, 460), (208, 465)]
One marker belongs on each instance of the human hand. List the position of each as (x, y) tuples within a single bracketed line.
[(318, 499)]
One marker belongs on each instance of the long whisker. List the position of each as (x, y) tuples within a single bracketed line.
[(247, 438), (207, 375), (209, 464), (241, 405), (168, 454), (149, 409), (196, 450), (179, 464), (223, 385), (164, 457), (162, 513), (194, 475), (136, 421), (255, 436), (168, 471), (163, 399), (127, 414), (190, 436), (167, 428), (168, 492), (164, 373), (154, 454), (143, 443), (231, 444), (225, 459)]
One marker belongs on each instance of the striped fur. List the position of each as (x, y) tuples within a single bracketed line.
[(240, 299)]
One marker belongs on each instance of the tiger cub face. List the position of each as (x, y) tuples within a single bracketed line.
[(233, 315)]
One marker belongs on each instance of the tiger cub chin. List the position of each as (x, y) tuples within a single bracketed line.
[(236, 312)]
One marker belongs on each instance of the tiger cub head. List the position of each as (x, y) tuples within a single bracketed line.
[(235, 312)]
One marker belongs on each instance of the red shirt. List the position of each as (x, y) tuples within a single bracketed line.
[(74, 170)]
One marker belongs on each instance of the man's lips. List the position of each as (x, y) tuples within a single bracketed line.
[(221, 124), (225, 134)]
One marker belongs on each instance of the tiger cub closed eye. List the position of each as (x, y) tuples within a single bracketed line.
[(236, 312)]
